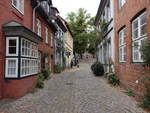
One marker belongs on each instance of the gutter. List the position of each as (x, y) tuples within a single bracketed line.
[(33, 21)]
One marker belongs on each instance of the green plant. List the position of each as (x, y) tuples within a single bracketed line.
[(113, 79), (58, 68), (145, 81), (145, 51), (106, 74), (130, 93), (46, 74), (97, 69), (40, 81), (146, 99)]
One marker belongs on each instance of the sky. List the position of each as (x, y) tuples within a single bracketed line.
[(66, 6)]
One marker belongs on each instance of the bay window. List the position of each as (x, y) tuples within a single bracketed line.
[(21, 63), (19, 5), (138, 36), (122, 46)]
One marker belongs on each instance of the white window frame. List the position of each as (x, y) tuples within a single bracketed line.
[(19, 5), (139, 39), (7, 46), (39, 27), (31, 49), (6, 68), (33, 67), (122, 45), (46, 35)]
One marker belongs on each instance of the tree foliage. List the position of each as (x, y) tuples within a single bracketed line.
[(81, 24)]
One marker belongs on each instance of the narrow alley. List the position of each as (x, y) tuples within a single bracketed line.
[(74, 91)]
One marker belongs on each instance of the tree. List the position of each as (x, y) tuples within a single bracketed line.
[(79, 24)]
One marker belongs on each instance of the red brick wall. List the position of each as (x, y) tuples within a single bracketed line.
[(18, 88), (8, 13), (129, 72), (46, 47)]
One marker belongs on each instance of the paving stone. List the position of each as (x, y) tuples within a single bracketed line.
[(74, 91)]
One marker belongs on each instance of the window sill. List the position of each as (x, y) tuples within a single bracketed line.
[(18, 78)]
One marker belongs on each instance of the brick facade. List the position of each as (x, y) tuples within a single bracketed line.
[(16, 88), (130, 72)]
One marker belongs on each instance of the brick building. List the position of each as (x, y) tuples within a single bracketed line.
[(132, 21), (26, 32)]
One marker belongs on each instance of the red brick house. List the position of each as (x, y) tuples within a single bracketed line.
[(25, 29), (132, 21)]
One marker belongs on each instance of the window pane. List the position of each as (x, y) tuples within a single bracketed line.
[(12, 50), (11, 67), (135, 25), (135, 34), (136, 51), (21, 5), (143, 30), (120, 54), (14, 2), (12, 42), (143, 19)]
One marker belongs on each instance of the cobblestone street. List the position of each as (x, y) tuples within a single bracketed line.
[(73, 91)]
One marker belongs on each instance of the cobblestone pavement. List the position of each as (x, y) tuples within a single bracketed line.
[(73, 91)]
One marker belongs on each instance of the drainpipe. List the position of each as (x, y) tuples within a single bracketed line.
[(33, 27)]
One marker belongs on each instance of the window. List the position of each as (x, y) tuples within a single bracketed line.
[(121, 3), (29, 66), (138, 36), (122, 46), (29, 49), (11, 68), (46, 35), (12, 46), (19, 5), (51, 40), (39, 27)]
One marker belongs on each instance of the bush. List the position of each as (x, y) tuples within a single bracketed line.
[(145, 51), (40, 81), (97, 69), (113, 79), (46, 74), (58, 68), (146, 99)]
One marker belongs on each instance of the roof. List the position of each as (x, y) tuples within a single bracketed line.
[(61, 24), (13, 28), (67, 25), (100, 10)]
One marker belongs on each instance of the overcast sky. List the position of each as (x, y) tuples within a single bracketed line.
[(66, 6)]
